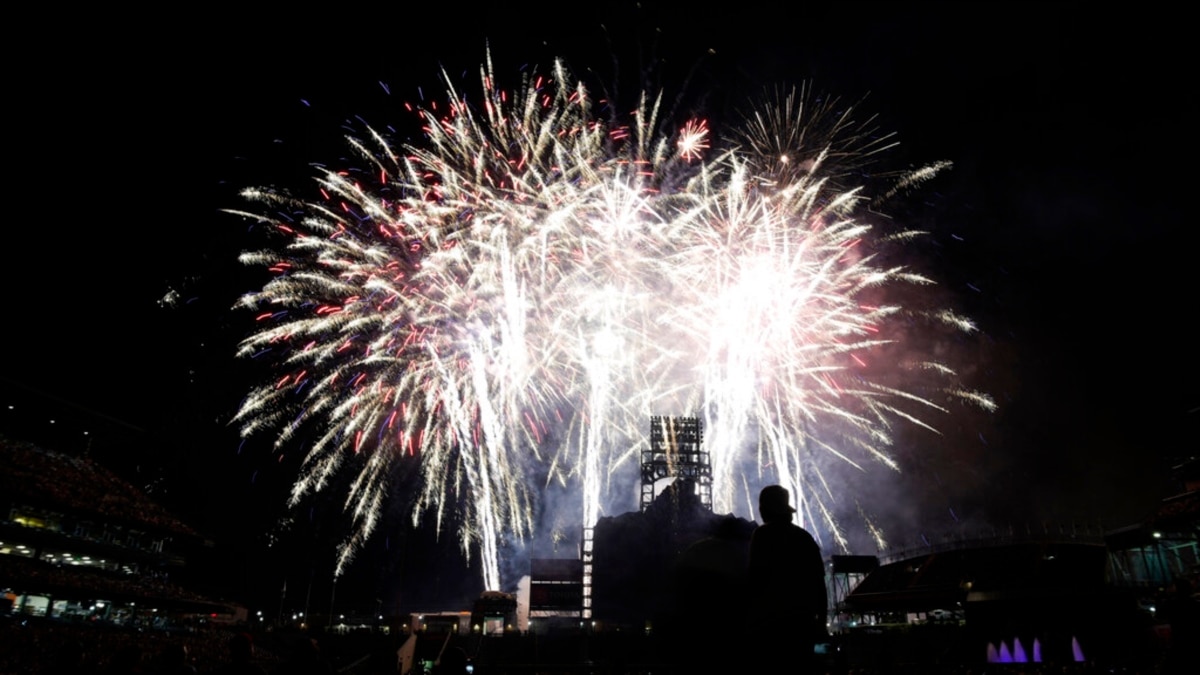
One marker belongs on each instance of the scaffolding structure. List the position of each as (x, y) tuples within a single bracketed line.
[(676, 450), (845, 573)]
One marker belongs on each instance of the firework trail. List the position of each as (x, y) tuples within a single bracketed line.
[(505, 305)]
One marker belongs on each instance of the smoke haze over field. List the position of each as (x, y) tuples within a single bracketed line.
[(1059, 230)]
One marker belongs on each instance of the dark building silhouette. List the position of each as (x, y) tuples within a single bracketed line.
[(636, 579)]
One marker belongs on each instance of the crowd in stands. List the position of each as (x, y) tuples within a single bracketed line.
[(35, 576), (33, 474), (31, 645)]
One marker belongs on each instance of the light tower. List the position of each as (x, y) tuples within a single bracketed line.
[(676, 450)]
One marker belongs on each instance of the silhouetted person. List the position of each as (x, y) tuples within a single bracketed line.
[(787, 588), (710, 574), (709, 595)]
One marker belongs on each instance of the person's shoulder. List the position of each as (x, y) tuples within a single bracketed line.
[(800, 536)]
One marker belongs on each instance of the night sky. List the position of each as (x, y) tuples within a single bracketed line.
[(1060, 229)]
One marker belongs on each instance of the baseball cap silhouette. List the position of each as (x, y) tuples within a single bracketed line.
[(774, 500)]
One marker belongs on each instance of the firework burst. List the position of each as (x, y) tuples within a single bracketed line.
[(506, 304)]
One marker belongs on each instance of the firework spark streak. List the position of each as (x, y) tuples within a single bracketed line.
[(505, 305)]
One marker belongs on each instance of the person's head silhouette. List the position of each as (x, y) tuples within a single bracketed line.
[(773, 504)]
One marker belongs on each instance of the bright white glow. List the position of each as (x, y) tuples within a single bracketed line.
[(504, 306)]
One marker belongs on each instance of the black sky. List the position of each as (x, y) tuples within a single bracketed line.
[(1061, 228)]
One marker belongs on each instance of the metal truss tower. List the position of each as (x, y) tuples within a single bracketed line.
[(676, 451)]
